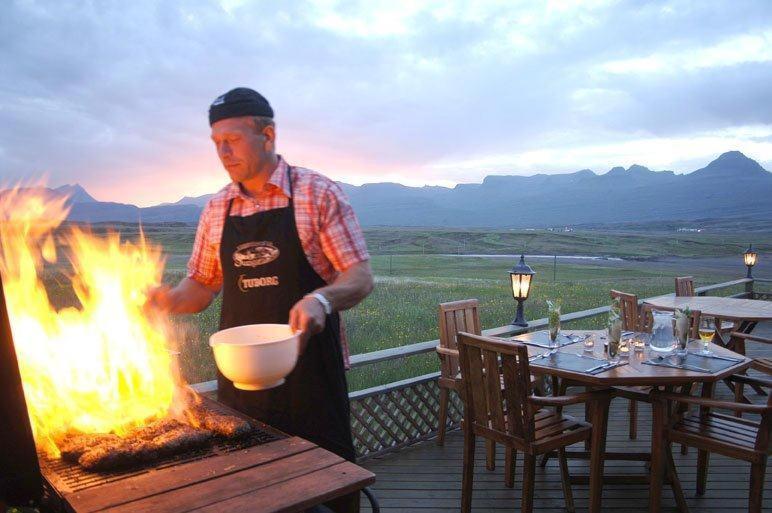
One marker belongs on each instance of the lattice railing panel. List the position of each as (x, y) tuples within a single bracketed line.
[(388, 418)]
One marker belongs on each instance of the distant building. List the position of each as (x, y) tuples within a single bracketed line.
[(693, 230)]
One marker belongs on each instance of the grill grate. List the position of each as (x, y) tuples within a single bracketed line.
[(71, 477), (64, 477)]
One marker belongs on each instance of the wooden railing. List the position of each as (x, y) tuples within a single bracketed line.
[(388, 417), (758, 294)]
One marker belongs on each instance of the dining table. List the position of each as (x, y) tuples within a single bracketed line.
[(745, 313), (643, 371)]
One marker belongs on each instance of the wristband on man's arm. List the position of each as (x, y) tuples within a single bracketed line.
[(326, 305)]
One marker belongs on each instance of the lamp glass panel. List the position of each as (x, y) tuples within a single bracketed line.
[(525, 285), (750, 258), (521, 284)]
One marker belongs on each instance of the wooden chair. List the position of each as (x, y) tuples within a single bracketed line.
[(684, 286), (454, 317), (716, 432), (511, 415), (736, 343)]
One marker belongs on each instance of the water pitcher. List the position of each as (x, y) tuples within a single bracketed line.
[(662, 336)]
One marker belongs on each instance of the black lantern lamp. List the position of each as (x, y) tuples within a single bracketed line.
[(520, 278), (750, 257)]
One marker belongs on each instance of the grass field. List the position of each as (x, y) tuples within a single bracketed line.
[(412, 278)]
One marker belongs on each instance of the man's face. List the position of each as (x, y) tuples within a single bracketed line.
[(243, 150)]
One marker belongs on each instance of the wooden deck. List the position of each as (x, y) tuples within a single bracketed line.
[(427, 478)]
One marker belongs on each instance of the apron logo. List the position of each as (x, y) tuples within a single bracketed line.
[(254, 283), (253, 254)]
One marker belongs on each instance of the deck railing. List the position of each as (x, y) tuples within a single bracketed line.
[(388, 417)]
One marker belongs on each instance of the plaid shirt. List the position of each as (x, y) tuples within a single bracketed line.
[(329, 232)]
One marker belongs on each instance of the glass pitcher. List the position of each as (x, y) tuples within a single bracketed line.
[(662, 336)]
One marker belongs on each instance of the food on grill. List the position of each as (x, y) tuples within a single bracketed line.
[(180, 439), (157, 439), (133, 451), (124, 453), (224, 425), (74, 445)]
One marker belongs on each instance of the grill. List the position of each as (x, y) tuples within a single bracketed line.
[(62, 478)]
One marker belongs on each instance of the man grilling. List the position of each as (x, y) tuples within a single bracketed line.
[(284, 246)]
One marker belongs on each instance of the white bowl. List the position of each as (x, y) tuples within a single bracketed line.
[(256, 356)]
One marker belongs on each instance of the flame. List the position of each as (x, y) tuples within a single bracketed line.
[(104, 366)]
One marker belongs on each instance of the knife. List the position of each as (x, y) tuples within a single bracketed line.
[(683, 366), (717, 357), (597, 367)]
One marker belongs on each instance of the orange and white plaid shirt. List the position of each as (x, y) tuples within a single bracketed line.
[(329, 232)]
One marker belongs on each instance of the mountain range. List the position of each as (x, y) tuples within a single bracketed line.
[(732, 187)]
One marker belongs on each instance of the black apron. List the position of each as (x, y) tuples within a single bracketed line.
[(265, 272)]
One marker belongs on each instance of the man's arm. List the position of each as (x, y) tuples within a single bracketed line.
[(189, 296), (350, 287), (348, 290)]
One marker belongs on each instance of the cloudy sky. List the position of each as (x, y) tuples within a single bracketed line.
[(114, 95)]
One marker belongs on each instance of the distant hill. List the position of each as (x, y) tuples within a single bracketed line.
[(75, 193), (733, 189), (199, 201)]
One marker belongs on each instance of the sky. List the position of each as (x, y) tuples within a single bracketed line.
[(114, 95)]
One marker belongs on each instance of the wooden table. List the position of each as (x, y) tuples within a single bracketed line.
[(286, 475), (635, 374), (725, 308), (746, 313)]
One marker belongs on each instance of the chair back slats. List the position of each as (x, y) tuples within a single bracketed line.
[(515, 416), (475, 390), (628, 303), (684, 286), (493, 388), (518, 388), (694, 324), (454, 317), (493, 403)]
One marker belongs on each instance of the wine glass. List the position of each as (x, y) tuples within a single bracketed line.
[(553, 315), (707, 330)]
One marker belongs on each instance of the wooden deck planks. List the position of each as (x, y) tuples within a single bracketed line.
[(427, 478)]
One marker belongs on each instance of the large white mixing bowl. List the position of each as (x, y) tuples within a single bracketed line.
[(256, 356)]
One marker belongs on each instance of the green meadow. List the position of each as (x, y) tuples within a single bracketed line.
[(418, 269)]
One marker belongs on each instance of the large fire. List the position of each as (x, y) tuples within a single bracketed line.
[(103, 366)]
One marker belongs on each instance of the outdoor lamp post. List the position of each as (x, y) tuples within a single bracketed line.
[(750, 257), (520, 279)]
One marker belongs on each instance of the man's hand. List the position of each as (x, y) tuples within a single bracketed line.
[(189, 296), (160, 298), (307, 316)]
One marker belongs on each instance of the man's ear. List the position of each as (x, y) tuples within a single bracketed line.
[(269, 131)]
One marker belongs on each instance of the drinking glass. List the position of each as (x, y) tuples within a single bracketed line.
[(682, 329), (614, 337), (625, 346), (707, 330), (553, 314), (639, 342)]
